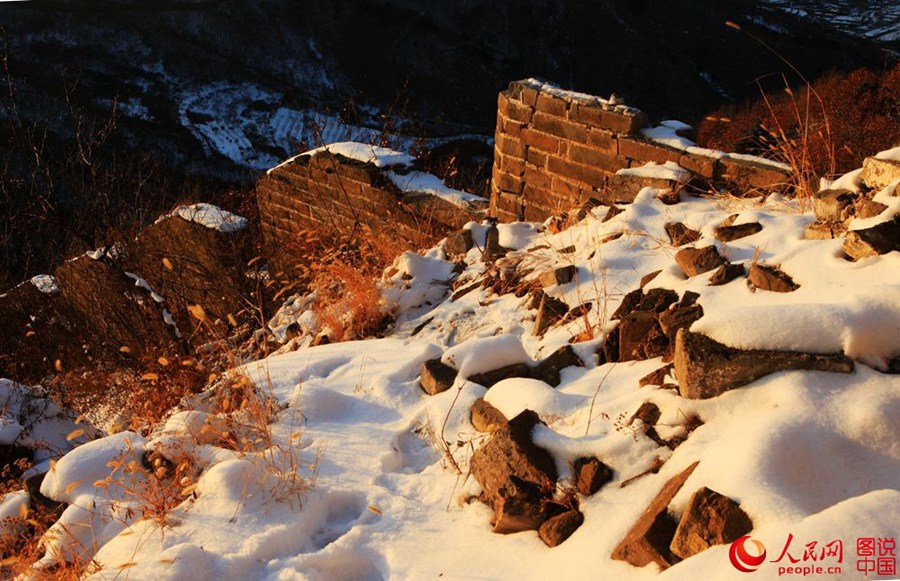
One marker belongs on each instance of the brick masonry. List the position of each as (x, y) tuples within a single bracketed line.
[(556, 149), (336, 196)]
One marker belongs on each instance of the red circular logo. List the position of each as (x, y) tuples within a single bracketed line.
[(744, 561)]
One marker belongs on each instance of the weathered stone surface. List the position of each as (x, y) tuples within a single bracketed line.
[(823, 230), (548, 369), (560, 275), (458, 242), (489, 378), (590, 475), (612, 213), (679, 317), (657, 377), (515, 475), (878, 173), (648, 413), (610, 350), (654, 300), (645, 280), (874, 241), (492, 247), (706, 368), (640, 337), (587, 208), (866, 208), (485, 417), (709, 519), (436, 377), (696, 261), (833, 205), (679, 234), (629, 303), (670, 197), (726, 273), (550, 310), (649, 539), (559, 528), (770, 278), (729, 233)]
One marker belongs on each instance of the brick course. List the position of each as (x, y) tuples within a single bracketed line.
[(555, 149)]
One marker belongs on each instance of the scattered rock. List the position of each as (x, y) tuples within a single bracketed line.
[(645, 280), (879, 173), (866, 208), (516, 476), (490, 378), (559, 528), (649, 539), (727, 233), (874, 241), (657, 377), (648, 413), (590, 475), (822, 230), (459, 242), (485, 417), (726, 273), (709, 519), (657, 300), (548, 369), (611, 213), (696, 261), (629, 303), (833, 205), (560, 275), (679, 317), (679, 234), (771, 279), (640, 337), (550, 310), (611, 346), (436, 377), (706, 368), (492, 248), (669, 197), (587, 208)]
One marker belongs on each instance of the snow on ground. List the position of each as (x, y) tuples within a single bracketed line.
[(211, 217), (808, 454)]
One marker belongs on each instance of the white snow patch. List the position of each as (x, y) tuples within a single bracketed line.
[(211, 217)]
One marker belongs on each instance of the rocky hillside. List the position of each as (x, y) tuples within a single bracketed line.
[(623, 394)]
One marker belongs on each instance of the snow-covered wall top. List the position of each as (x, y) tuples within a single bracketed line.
[(555, 149)]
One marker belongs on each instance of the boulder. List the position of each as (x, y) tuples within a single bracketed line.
[(516, 476), (550, 310), (696, 261), (458, 243), (770, 278), (727, 231), (557, 529), (640, 337), (436, 377), (879, 173), (485, 417), (706, 368), (726, 273), (709, 519), (879, 239), (679, 234), (823, 230), (833, 205), (590, 475), (490, 378), (657, 377), (561, 275), (649, 539), (679, 317), (548, 369), (866, 208)]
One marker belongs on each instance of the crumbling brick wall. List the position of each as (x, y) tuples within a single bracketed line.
[(336, 196), (555, 149)]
